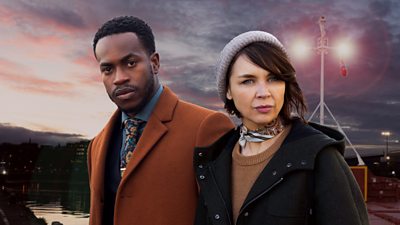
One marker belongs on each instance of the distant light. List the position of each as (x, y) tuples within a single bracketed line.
[(385, 133), (344, 49), (4, 172), (300, 49), (393, 172), (387, 157)]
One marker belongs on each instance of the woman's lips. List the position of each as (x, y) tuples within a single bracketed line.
[(263, 108)]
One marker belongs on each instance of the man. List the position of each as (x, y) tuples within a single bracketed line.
[(141, 164)]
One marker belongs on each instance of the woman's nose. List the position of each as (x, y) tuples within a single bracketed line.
[(262, 91)]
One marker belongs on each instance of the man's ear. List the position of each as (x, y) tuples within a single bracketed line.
[(155, 62)]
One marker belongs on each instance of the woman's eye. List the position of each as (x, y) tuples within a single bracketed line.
[(272, 79), (247, 81)]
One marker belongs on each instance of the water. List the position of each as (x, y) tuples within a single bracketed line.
[(67, 204), (54, 211)]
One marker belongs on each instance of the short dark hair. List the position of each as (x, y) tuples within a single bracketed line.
[(276, 61), (123, 24)]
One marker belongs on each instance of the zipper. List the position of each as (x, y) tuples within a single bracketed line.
[(220, 194), (261, 194)]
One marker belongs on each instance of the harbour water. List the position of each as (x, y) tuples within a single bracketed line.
[(67, 205), (54, 211)]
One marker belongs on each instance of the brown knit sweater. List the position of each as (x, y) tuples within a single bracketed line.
[(246, 169)]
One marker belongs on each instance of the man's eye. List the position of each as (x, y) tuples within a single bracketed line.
[(131, 63), (106, 70)]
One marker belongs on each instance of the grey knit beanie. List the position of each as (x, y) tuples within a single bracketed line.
[(233, 47)]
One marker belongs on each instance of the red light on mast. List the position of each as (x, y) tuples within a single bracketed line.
[(343, 69)]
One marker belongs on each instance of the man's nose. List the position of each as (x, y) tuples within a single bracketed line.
[(121, 77)]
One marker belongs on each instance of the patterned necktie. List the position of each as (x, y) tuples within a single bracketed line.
[(133, 130)]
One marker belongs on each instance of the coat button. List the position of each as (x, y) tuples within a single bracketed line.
[(246, 214), (274, 173), (289, 165), (217, 217), (200, 166), (303, 162), (202, 177)]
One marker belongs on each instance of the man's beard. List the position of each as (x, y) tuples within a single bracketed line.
[(148, 91)]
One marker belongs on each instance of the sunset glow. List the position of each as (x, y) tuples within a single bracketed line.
[(50, 80)]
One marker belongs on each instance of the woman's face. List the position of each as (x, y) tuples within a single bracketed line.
[(257, 94)]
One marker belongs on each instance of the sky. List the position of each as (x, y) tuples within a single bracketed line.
[(51, 89)]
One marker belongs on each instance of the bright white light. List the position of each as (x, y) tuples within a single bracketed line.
[(344, 49), (300, 49), (385, 133)]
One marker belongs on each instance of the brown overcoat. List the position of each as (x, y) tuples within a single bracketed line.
[(159, 186)]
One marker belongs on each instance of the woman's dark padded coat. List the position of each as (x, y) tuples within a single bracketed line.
[(306, 182)]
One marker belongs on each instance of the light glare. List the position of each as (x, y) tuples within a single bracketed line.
[(301, 49), (345, 50)]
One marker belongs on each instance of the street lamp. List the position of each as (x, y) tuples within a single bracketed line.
[(322, 49), (387, 135)]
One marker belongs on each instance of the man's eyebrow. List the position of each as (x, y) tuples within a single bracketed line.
[(103, 64), (123, 59)]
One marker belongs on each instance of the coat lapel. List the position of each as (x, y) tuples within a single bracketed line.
[(154, 130), (100, 149)]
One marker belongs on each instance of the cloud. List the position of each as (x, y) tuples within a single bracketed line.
[(190, 35), (380, 8), (13, 74), (17, 135), (43, 16)]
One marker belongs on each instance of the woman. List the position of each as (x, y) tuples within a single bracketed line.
[(275, 168)]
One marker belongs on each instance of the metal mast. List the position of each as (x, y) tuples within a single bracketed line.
[(322, 49)]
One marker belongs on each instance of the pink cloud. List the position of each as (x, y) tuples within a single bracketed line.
[(87, 60), (10, 76), (28, 39), (7, 17), (40, 17)]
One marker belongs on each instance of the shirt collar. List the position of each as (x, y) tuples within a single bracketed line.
[(145, 113)]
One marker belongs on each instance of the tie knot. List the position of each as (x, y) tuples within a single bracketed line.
[(132, 123)]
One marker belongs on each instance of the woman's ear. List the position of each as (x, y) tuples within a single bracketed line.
[(228, 94)]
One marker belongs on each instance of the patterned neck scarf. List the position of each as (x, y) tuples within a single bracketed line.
[(261, 134)]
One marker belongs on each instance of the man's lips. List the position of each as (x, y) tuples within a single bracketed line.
[(124, 92), (263, 108)]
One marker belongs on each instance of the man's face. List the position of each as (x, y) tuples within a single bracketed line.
[(128, 72)]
